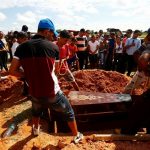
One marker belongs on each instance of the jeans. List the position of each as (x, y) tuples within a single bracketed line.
[(58, 103)]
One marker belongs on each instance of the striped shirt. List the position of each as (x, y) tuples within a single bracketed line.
[(81, 43)]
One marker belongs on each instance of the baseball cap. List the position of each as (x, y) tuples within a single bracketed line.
[(47, 24)]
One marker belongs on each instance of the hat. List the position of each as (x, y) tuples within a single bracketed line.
[(47, 24), (64, 34)]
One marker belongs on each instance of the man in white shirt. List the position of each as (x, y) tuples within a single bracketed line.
[(93, 46), (132, 45), (21, 37)]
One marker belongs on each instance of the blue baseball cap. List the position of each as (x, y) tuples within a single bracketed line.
[(47, 24)]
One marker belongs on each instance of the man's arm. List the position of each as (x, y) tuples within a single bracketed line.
[(15, 68), (57, 62), (134, 83)]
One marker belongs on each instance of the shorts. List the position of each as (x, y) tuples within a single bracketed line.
[(59, 103), (68, 76), (72, 59), (93, 58)]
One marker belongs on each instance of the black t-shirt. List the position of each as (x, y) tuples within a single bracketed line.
[(37, 57)]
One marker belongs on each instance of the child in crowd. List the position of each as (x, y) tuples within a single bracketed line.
[(62, 69), (73, 58)]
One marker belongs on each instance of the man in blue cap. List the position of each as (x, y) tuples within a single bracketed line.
[(37, 57)]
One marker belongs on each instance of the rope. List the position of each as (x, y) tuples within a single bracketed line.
[(61, 64)]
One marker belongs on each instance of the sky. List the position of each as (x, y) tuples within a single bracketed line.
[(75, 14)]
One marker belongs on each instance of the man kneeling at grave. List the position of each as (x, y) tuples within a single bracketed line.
[(139, 113)]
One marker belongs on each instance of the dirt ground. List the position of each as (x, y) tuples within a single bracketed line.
[(14, 105)]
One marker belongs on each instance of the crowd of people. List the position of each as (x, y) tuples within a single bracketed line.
[(40, 60), (86, 50)]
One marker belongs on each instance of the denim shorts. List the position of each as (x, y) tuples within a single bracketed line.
[(58, 103), (72, 59)]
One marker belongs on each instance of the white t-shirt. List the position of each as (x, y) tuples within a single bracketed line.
[(119, 48), (93, 46), (13, 48)]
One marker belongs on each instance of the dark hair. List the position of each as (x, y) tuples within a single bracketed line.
[(129, 31), (136, 31), (112, 33), (22, 35), (15, 34), (148, 31), (88, 31), (24, 28), (100, 31), (73, 39), (82, 30), (64, 34)]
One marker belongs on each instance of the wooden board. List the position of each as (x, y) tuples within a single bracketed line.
[(89, 98), (120, 137)]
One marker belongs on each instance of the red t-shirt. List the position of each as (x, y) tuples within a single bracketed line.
[(63, 54), (72, 50)]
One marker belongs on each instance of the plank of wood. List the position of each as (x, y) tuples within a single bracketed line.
[(89, 98), (101, 113), (121, 137)]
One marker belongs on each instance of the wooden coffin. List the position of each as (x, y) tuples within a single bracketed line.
[(96, 111), (100, 110)]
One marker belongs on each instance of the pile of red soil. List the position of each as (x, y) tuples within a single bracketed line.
[(97, 81), (10, 88), (88, 80)]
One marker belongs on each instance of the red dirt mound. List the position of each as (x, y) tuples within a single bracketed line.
[(97, 81), (10, 88)]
